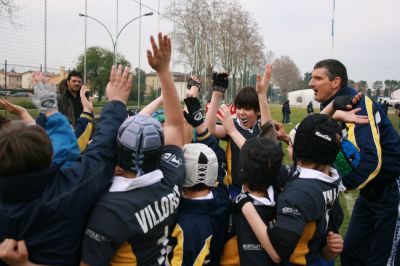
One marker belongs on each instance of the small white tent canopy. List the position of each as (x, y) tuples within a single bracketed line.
[(396, 95), (302, 98)]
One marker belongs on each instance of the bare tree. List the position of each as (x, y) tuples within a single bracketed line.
[(285, 74), (217, 34), (8, 8), (195, 32)]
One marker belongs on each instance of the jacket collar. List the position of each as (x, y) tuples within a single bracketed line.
[(307, 173), (69, 94), (345, 90), (121, 183)]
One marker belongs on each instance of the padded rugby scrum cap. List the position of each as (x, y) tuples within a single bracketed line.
[(140, 141), (201, 165), (316, 139)]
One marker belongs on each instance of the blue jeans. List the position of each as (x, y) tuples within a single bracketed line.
[(286, 118)]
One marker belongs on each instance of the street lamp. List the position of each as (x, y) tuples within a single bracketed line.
[(114, 41)]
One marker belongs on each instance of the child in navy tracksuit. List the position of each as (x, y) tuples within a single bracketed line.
[(203, 213)]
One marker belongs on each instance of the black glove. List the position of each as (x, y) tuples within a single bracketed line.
[(194, 116), (341, 102), (220, 81), (191, 82), (240, 200)]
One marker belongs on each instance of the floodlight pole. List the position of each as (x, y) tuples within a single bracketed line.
[(114, 41)]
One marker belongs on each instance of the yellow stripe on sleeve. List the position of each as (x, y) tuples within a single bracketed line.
[(177, 258), (375, 137), (203, 253), (84, 138), (124, 256)]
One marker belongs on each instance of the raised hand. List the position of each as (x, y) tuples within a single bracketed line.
[(20, 111), (350, 117), (160, 58), (262, 83), (194, 115), (193, 81), (280, 131), (220, 81), (193, 86), (224, 115), (39, 77), (86, 103), (346, 102), (44, 94), (13, 108), (119, 86)]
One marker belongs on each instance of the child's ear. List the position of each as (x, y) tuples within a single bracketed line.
[(118, 171)]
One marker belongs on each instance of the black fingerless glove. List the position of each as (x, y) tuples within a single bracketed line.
[(341, 102), (191, 82), (240, 200), (220, 81), (194, 116)]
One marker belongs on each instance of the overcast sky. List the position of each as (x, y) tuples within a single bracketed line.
[(367, 33)]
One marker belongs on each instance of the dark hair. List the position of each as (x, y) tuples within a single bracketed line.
[(259, 163), (247, 98), (74, 73), (198, 187), (3, 121), (24, 149), (335, 69), (62, 86)]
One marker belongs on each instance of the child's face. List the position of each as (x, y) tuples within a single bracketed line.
[(247, 117)]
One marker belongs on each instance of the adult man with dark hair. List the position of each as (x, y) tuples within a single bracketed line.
[(374, 230), (69, 103)]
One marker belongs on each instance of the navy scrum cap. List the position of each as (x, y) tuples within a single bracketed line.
[(316, 139), (139, 144)]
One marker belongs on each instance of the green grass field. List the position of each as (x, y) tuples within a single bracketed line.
[(347, 200)]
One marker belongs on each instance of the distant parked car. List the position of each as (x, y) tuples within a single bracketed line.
[(20, 94), (2, 93)]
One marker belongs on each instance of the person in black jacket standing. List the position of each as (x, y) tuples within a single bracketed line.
[(310, 108), (69, 103), (286, 112)]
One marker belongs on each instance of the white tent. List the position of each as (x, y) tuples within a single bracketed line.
[(302, 98), (396, 95)]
